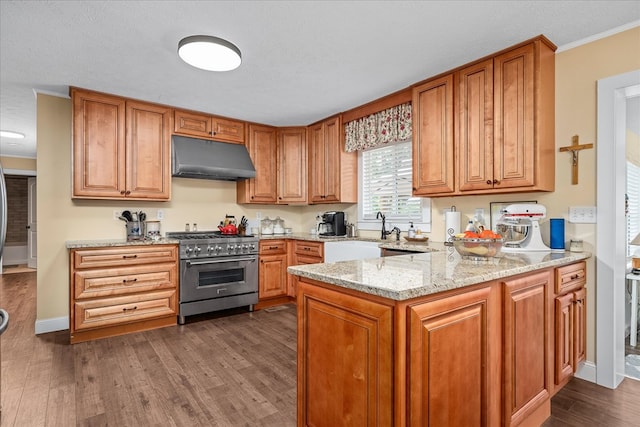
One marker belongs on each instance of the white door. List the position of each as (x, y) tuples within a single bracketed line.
[(32, 225)]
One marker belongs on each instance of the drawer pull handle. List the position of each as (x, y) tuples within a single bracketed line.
[(273, 247), (575, 276), (135, 307), (307, 249), (129, 256), (129, 280), (221, 290)]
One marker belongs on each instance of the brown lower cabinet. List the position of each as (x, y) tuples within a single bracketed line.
[(477, 356), (118, 290), (272, 271)]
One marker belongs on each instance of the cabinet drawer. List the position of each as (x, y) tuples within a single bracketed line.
[(120, 281), (309, 249), (571, 277), (303, 259), (124, 256), (273, 247), (103, 312)]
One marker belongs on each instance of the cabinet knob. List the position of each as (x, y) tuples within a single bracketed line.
[(127, 192), (122, 192), (489, 182), (496, 182)]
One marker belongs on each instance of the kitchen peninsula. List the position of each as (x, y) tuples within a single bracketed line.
[(434, 339)]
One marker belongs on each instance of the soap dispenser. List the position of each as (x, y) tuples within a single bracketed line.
[(412, 231)]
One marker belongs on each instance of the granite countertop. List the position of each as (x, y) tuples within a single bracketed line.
[(401, 245), (75, 244), (409, 276)]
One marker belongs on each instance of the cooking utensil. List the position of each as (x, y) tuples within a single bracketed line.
[(127, 215), (142, 216), (123, 218)]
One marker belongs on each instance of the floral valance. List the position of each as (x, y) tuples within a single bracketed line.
[(390, 125)]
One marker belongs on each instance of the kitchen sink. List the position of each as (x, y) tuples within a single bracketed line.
[(350, 250)]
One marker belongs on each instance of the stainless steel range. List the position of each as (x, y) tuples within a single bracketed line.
[(217, 272)]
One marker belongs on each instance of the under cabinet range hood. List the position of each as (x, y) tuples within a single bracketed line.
[(204, 159)]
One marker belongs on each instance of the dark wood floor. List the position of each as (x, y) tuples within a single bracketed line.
[(236, 370)]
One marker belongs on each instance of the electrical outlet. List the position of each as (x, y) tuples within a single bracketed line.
[(116, 214), (160, 214), (258, 216), (582, 214)]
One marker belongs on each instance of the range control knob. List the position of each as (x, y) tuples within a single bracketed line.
[(230, 248), (197, 250), (188, 250), (252, 247)]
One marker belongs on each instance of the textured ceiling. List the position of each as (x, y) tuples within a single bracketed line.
[(302, 60)]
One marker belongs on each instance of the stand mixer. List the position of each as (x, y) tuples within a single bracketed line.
[(520, 227)]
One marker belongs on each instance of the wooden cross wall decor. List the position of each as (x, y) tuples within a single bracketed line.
[(575, 147)]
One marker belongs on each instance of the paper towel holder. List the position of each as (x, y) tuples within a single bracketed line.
[(450, 231)]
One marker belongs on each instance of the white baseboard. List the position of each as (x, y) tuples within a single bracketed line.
[(52, 325), (587, 372)]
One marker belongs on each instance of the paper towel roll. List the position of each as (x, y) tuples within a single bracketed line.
[(451, 224)]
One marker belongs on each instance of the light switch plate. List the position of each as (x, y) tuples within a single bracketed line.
[(582, 214), (116, 215), (159, 214)]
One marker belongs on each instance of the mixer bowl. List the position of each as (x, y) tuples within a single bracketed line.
[(513, 234)]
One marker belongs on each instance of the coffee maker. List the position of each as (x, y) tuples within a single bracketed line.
[(332, 224)]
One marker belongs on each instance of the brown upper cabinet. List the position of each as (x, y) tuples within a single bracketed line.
[(333, 173), (292, 165), (121, 148), (200, 125), (491, 129), (262, 150)]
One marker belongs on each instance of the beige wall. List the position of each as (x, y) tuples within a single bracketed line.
[(19, 163), (206, 202)]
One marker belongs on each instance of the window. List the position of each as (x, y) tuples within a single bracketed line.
[(385, 185), (633, 205)]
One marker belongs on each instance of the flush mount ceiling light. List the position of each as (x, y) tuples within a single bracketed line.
[(209, 53), (11, 134)]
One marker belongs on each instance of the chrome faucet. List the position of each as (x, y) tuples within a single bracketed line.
[(384, 232)]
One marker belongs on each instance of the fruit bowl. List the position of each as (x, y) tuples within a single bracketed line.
[(477, 248)]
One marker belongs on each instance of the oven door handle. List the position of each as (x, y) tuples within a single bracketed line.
[(218, 261)]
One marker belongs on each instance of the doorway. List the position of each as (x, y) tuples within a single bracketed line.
[(613, 95), (21, 241)]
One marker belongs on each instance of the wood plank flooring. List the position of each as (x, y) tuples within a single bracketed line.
[(236, 370)]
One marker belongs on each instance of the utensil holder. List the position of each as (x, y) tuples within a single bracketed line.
[(135, 230)]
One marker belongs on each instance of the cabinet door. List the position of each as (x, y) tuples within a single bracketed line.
[(98, 145), (148, 151), (475, 126), (192, 124), (564, 338), (345, 360), (272, 276), (292, 165), (433, 140), (579, 327), (514, 140), (262, 149), (317, 170), (332, 150), (227, 130), (453, 349), (526, 346)]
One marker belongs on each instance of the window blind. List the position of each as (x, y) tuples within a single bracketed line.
[(386, 183), (633, 205)]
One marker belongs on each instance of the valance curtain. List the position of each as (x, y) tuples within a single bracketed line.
[(390, 125)]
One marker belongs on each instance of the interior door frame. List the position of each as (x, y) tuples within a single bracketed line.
[(610, 228), (32, 225), (22, 172)]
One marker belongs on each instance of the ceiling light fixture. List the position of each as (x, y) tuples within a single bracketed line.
[(11, 134), (209, 53)]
